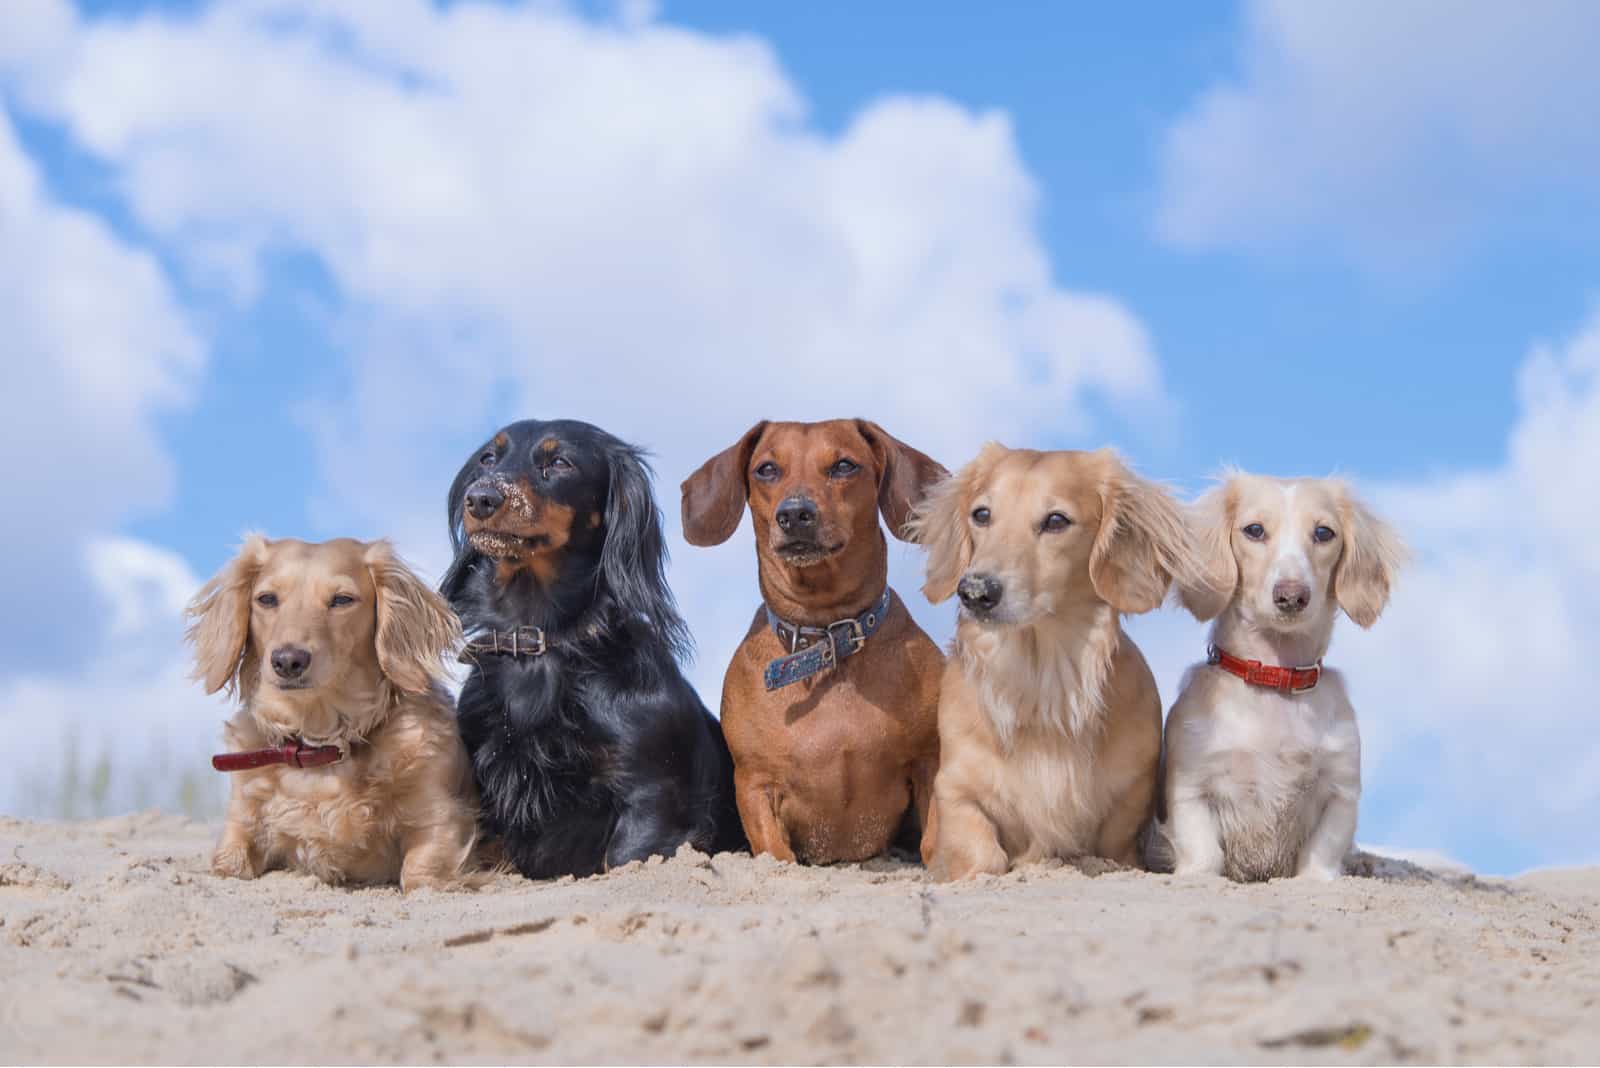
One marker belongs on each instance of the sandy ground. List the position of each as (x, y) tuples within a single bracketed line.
[(116, 945)]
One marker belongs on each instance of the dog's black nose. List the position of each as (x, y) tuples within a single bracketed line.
[(797, 515), (980, 593), (290, 661), (483, 500), (1291, 597)]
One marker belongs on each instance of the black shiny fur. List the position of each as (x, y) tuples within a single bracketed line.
[(598, 752)]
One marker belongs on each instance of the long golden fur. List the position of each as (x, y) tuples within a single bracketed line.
[(401, 805), (1049, 720)]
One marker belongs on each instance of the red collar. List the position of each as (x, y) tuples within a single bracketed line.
[(296, 754), (1287, 679)]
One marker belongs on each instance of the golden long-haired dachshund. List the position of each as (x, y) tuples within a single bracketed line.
[(1049, 720), (351, 768)]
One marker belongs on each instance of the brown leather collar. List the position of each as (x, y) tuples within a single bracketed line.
[(523, 641), (296, 754)]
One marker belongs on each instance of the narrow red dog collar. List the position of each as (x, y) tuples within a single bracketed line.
[(296, 754), (1270, 676)]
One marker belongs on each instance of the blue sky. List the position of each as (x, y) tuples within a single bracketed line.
[(346, 240)]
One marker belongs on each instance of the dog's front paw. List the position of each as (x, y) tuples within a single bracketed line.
[(426, 880), (232, 860), (1189, 869), (1320, 873), (953, 867)]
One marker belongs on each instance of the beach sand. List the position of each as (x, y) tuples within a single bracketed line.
[(117, 945)]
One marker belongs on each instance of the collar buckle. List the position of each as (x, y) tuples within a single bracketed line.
[(536, 645), (853, 633), (1315, 673)]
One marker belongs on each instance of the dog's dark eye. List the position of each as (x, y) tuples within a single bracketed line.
[(1322, 534), (980, 516), (1255, 531), (267, 600), (340, 600), (559, 462), (768, 472), (1055, 522), (843, 469), (487, 459)]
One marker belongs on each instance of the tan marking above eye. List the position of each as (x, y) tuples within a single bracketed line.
[(548, 445), (501, 441)]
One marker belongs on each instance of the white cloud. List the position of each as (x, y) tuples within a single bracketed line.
[(1480, 681), (532, 214), (127, 728), (95, 347), (146, 587), (1393, 132)]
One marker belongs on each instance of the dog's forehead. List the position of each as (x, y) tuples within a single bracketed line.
[(540, 433), (1031, 477), (1286, 497), (821, 440), (342, 560)]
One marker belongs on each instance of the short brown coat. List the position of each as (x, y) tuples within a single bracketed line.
[(828, 768)]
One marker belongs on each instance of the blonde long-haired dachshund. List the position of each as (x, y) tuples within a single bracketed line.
[(1049, 720), (351, 768)]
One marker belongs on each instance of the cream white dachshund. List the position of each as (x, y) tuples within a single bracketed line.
[(1262, 756)]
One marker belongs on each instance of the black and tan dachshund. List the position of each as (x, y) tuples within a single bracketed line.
[(589, 746)]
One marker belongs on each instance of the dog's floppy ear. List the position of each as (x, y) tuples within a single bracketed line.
[(714, 496), (904, 476), (633, 560), (455, 576), (1142, 543), (1372, 554), (938, 523), (416, 628), (1211, 522), (221, 617)]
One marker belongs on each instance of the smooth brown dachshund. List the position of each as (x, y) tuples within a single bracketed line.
[(830, 706)]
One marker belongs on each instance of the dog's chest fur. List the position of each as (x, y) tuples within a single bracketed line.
[(1270, 762), (837, 750), (1050, 802), (330, 822), (534, 747), (1044, 700)]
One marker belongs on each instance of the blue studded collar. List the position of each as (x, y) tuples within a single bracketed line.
[(817, 649)]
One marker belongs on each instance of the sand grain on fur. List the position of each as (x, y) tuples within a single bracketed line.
[(116, 945)]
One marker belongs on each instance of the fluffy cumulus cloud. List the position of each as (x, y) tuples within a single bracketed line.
[(127, 728), (1477, 689), (530, 213), (1394, 132), (95, 347)]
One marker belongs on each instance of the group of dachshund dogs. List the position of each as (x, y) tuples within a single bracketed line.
[(576, 745)]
